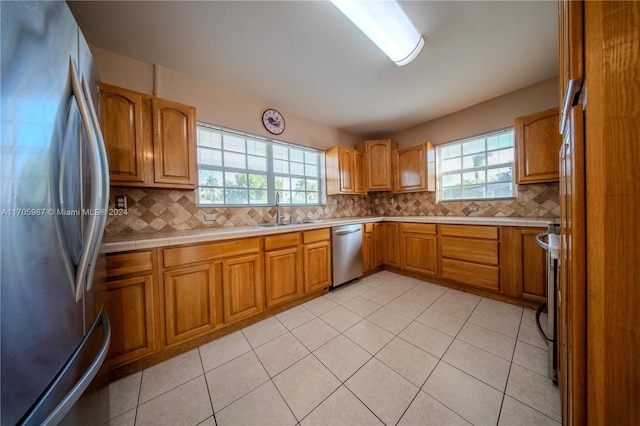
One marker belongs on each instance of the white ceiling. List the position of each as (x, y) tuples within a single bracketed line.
[(307, 58)]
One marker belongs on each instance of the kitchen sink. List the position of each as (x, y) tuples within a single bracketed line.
[(270, 225), (295, 222)]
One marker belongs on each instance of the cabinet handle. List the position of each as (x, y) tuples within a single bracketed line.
[(573, 88)]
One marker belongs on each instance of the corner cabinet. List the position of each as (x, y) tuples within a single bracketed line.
[(344, 171), (150, 142), (537, 147), (377, 160), (414, 168)]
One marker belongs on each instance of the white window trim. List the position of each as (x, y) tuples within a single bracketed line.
[(514, 189), (271, 191)]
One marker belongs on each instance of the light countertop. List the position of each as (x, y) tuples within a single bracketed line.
[(126, 242)]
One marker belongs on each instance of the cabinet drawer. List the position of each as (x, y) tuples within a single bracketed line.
[(483, 276), (205, 252), (367, 227), (273, 242), (419, 228), (479, 251), (129, 263), (316, 235), (470, 231)]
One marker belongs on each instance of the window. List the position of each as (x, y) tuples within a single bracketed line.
[(476, 168), (238, 169)]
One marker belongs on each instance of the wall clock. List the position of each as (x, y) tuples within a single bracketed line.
[(273, 121)]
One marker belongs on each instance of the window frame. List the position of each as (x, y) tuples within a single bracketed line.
[(485, 168), (270, 174)]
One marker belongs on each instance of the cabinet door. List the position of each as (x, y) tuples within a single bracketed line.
[(317, 266), (283, 275), (529, 265), (130, 307), (368, 252), (359, 186), (419, 253), (346, 164), (121, 120), (537, 146), (391, 254), (378, 244), (414, 168), (379, 176), (241, 287), (174, 143), (189, 303)]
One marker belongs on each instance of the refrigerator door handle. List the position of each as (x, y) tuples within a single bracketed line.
[(103, 197), (65, 405), (91, 237)]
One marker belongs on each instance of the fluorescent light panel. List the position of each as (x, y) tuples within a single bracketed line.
[(386, 24)]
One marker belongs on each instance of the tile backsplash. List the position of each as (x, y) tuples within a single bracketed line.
[(153, 210)]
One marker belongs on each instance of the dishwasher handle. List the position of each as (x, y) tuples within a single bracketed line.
[(346, 232)]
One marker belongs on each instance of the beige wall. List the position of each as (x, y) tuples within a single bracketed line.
[(213, 103), (493, 114)]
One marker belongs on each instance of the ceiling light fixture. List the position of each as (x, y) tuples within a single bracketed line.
[(386, 24)]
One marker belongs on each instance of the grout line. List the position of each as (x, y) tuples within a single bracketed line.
[(206, 383)]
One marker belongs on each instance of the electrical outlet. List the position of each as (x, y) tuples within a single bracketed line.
[(335, 202), (352, 202), (210, 216), (391, 201), (376, 201), (120, 201), (473, 208)]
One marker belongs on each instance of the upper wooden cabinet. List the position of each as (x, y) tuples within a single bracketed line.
[(121, 119), (345, 171), (150, 142), (414, 168), (537, 147), (174, 143), (377, 159)]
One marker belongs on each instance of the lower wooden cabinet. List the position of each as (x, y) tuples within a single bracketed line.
[(317, 259), (282, 268), (470, 255), (419, 248), (241, 287), (189, 303), (391, 238), (529, 265), (372, 246), (130, 307)]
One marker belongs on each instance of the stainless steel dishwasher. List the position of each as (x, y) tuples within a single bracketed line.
[(346, 253)]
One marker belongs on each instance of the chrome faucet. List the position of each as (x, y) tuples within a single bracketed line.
[(279, 217)]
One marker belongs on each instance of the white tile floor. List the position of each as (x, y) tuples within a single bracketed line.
[(386, 350)]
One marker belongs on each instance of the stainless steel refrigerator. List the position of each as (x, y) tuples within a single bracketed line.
[(53, 199)]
